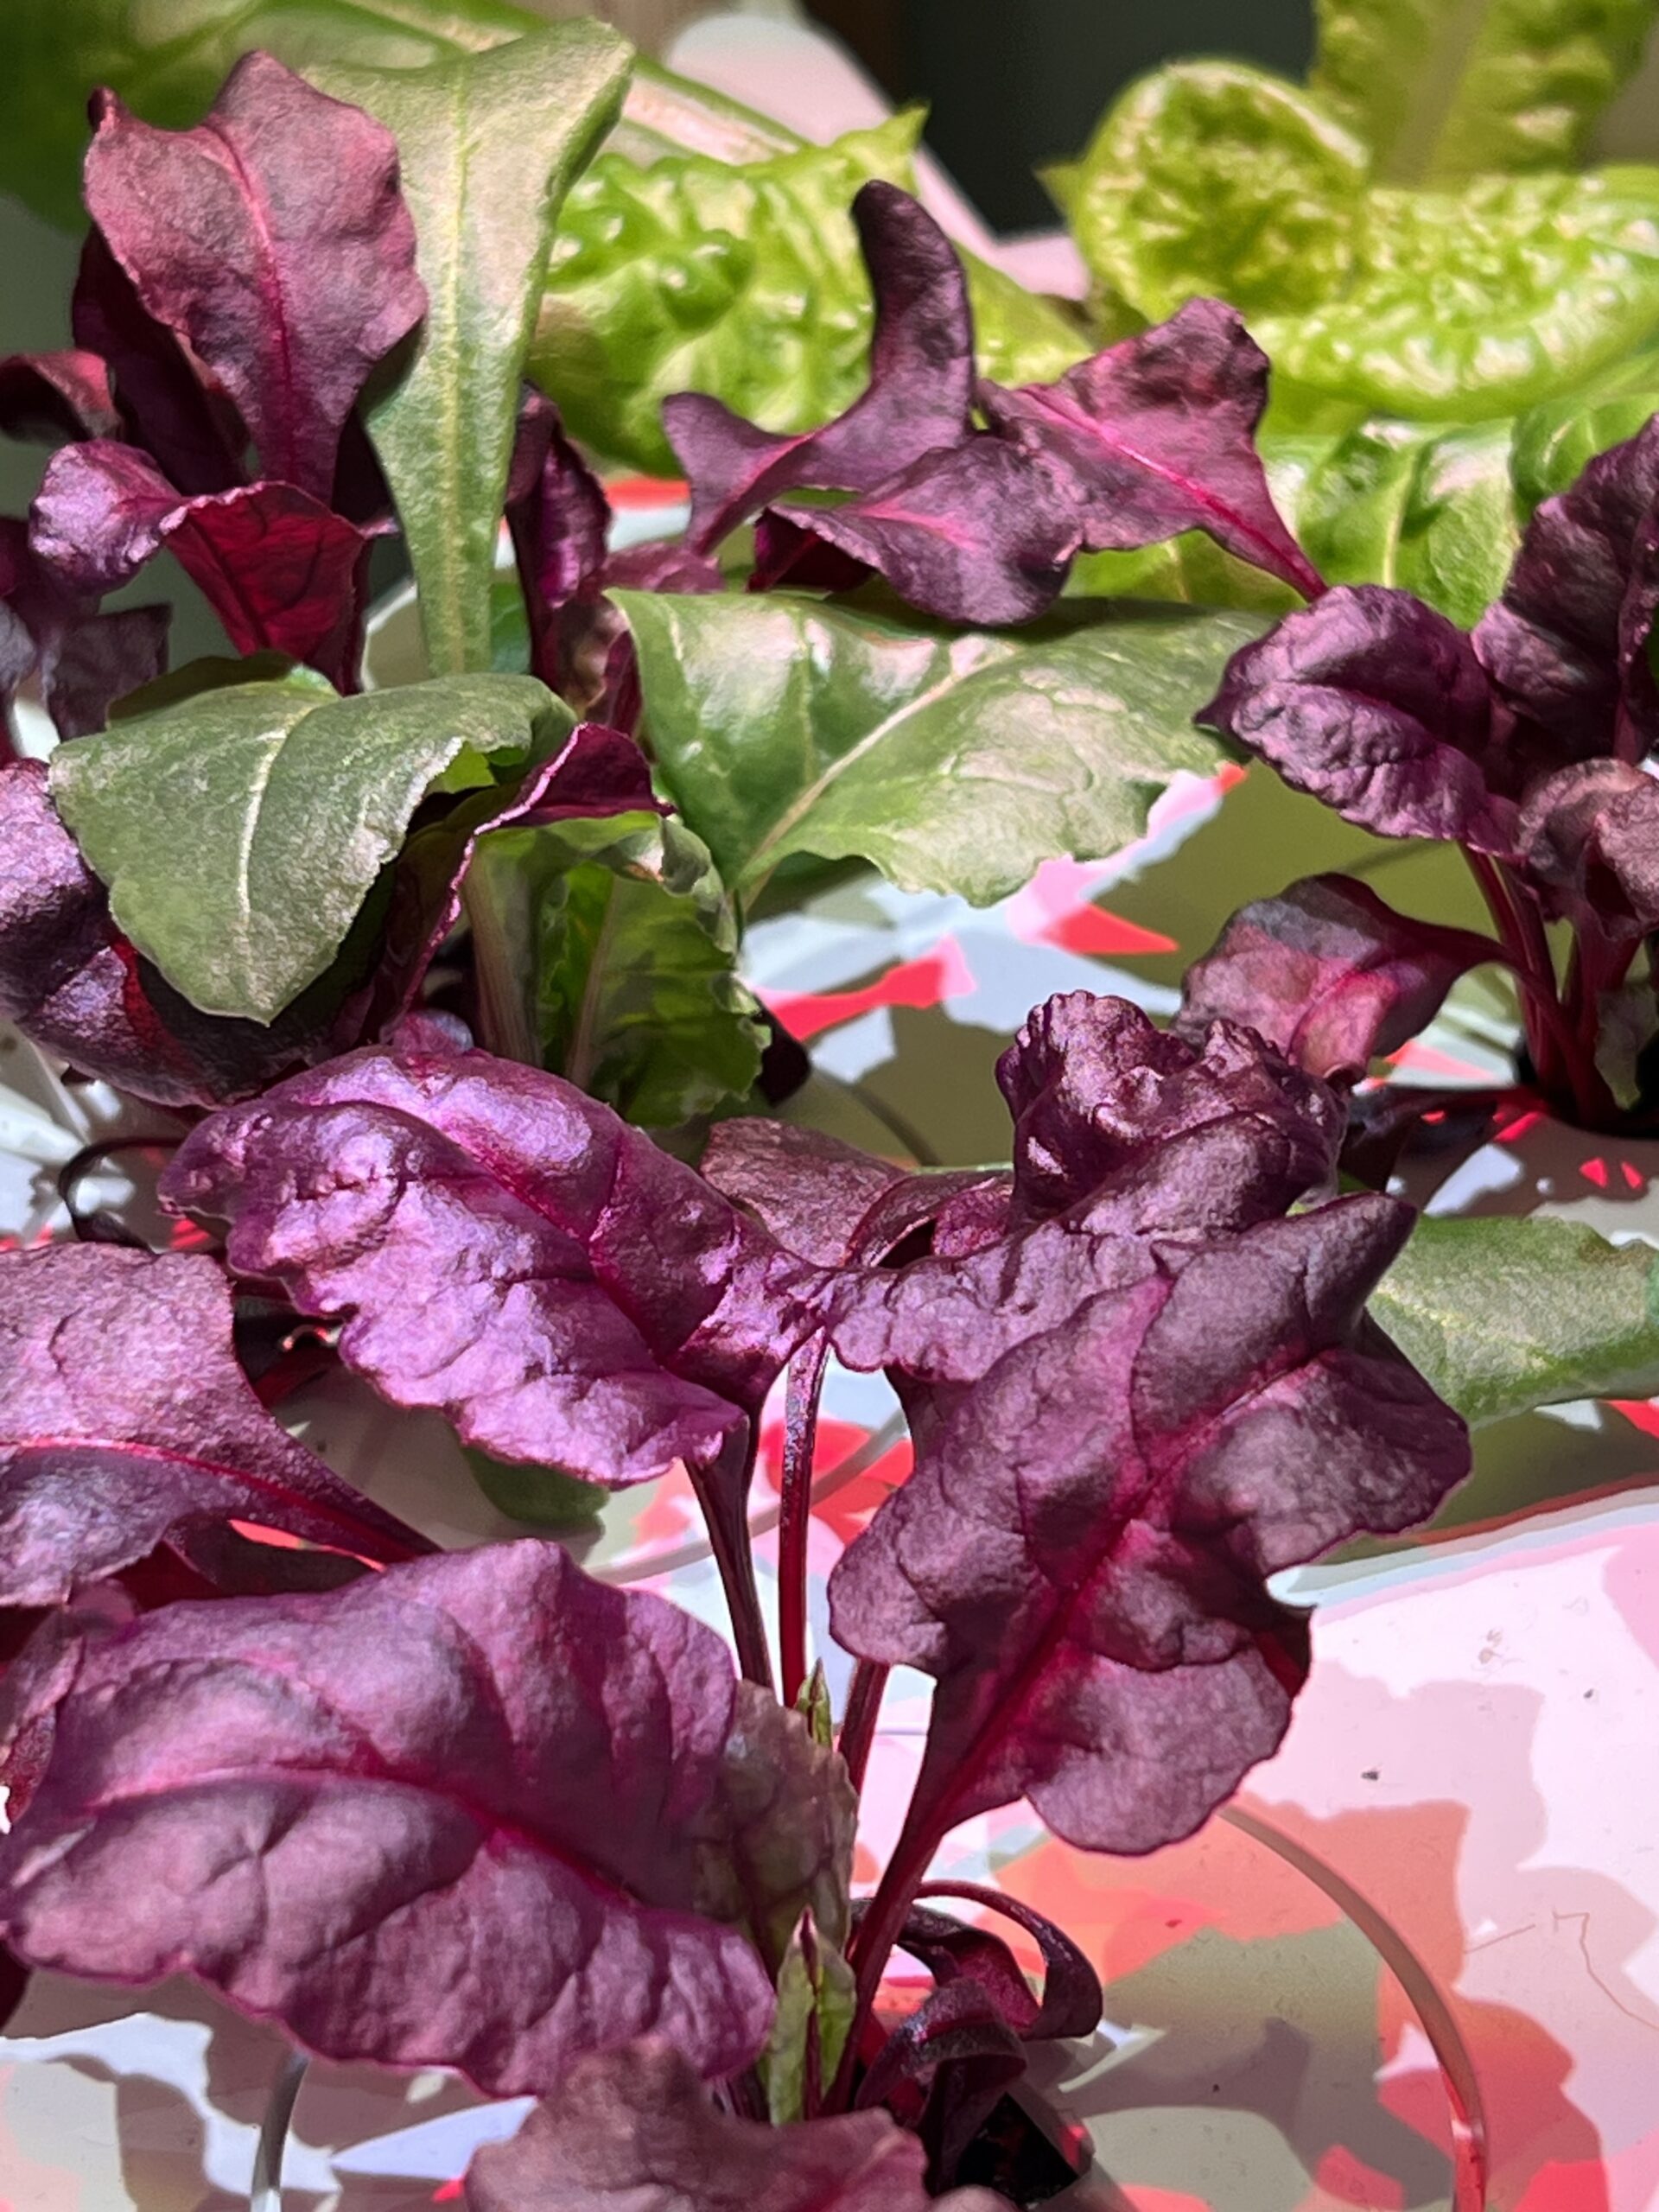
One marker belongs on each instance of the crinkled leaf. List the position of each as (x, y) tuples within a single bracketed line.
[(273, 239), (1447, 92), (62, 395), (85, 660), (489, 145), (1433, 512), (127, 1419), (1092, 1089), (282, 571), (509, 1251), (1468, 304), (919, 396), (1157, 435), (623, 943), (1329, 973), (813, 1193), (637, 2129), (1376, 705), (777, 1839), (1556, 441), (240, 831), (743, 282), (1213, 177), (959, 764), (402, 1819), (1079, 1557), (1566, 645), (982, 533), (818, 1999), (1502, 1315), (1590, 835)]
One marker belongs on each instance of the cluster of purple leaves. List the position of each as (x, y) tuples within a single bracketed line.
[(240, 284), (980, 523), (480, 1810), (1529, 744)]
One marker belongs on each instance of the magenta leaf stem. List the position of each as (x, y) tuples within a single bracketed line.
[(802, 1392)]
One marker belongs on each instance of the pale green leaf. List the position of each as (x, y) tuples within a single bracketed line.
[(489, 145), (1472, 304), (620, 945), (1210, 177), (952, 762), (818, 1999), (1504, 1314), (1448, 88), (240, 831)]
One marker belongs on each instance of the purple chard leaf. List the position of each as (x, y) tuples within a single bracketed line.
[(272, 239), (509, 1251), (85, 660), (1079, 1556), (1378, 705), (1590, 838), (636, 2130), (443, 1816), (282, 572), (919, 397), (1329, 974), (63, 395), (126, 1420), (1566, 645), (1157, 435)]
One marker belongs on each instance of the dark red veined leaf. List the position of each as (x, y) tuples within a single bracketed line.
[(125, 1417), (272, 238), (179, 415), (1329, 974), (403, 1818), (282, 571), (788, 552), (85, 660), (824, 1199), (636, 2130), (1378, 705), (1589, 837), (919, 396), (1091, 1085), (509, 1251), (981, 533), (957, 1950), (1157, 435), (1565, 645), (62, 395), (1071, 1998), (1079, 1555), (1133, 1151), (560, 520), (945, 2069)]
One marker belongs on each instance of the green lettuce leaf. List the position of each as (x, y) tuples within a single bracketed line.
[(1445, 89), (622, 943), (1466, 305), (1502, 1315), (240, 831), (783, 726), (1212, 177), (694, 275), (488, 146)]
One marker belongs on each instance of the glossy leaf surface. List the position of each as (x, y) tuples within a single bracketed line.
[(954, 764)]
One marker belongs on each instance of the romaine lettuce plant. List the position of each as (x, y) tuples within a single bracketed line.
[(477, 1811)]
